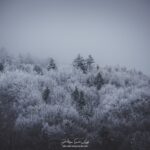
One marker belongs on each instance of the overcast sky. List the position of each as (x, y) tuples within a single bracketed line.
[(113, 31)]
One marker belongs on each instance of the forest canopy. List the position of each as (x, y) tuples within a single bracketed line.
[(42, 103)]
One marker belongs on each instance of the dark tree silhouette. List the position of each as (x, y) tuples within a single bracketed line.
[(38, 69), (99, 81), (79, 98), (79, 63), (1, 67), (89, 62), (45, 94), (51, 65)]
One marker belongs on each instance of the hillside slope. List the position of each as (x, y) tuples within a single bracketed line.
[(109, 106)]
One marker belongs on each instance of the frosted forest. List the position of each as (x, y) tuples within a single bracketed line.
[(42, 103)]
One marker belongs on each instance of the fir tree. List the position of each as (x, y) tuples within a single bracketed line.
[(79, 63), (45, 94), (78, 97), (1, 67), (89, 62), (52, 65), (81, 100), (99, 81), (75, 94)]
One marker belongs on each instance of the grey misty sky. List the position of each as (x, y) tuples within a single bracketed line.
[(113, 31)]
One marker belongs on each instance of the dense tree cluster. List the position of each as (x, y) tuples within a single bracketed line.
[(82, 64), (40, 105), (38, 69)]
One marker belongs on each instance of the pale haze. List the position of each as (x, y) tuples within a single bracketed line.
[(115, 32)]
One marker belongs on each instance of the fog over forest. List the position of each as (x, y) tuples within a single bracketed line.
[(74, 73), (114, 32), (44, 106)]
